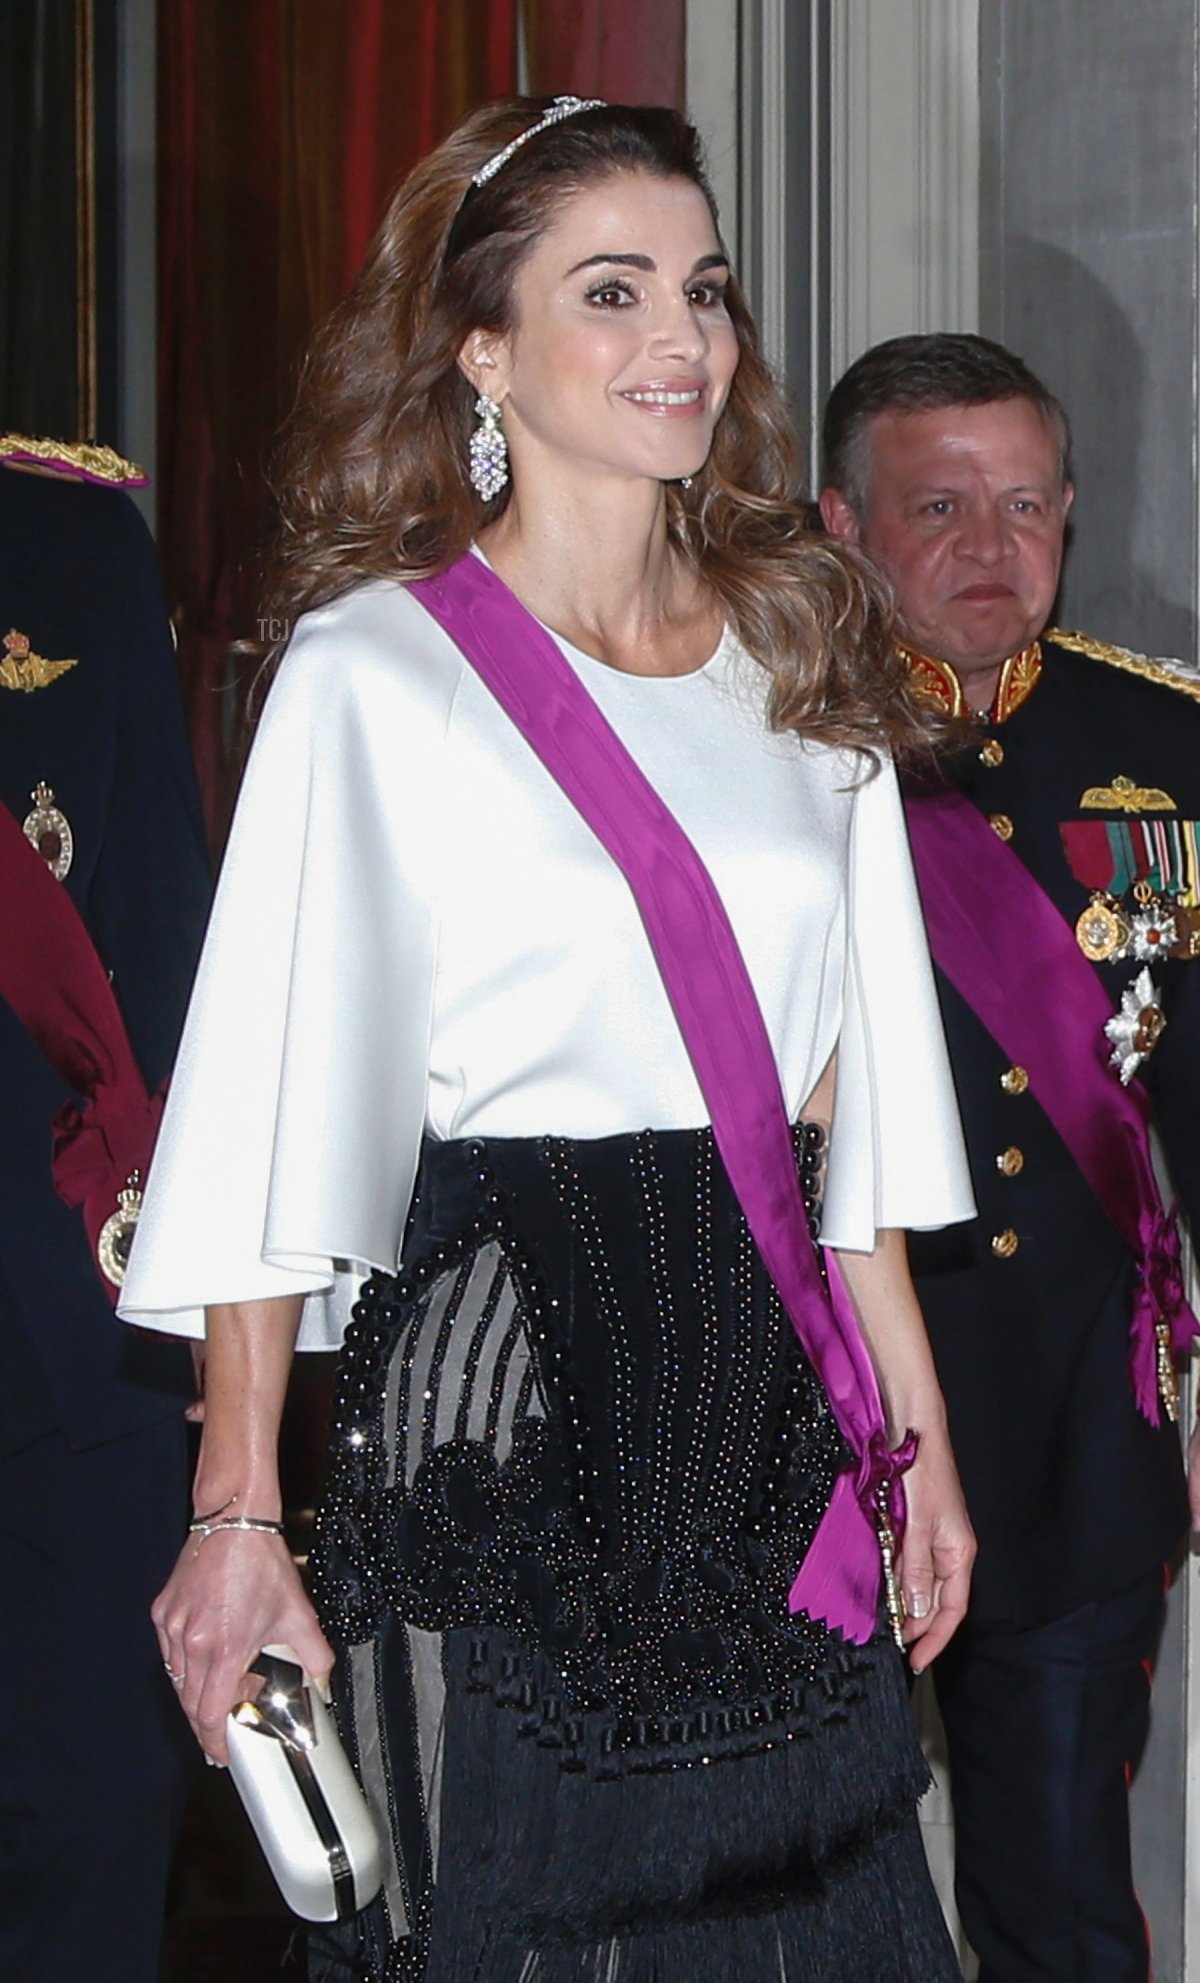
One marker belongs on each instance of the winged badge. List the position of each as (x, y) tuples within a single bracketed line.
[(22, 669)]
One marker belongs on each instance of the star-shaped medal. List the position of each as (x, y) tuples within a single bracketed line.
[(1137, 1028), (1151, 931)]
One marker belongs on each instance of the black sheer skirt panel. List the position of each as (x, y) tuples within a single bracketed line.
[(578, 1457)]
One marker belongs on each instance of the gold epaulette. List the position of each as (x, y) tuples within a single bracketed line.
[(79, 459), (1168, 674)]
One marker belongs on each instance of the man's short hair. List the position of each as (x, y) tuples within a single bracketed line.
[(914, 375)]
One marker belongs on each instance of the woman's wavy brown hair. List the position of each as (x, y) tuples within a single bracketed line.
[(372, 472)]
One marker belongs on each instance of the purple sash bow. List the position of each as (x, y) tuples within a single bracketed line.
[(727, 1042), (971, 885)]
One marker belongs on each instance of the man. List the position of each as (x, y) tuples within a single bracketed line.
[(94, 763), (948, 463)]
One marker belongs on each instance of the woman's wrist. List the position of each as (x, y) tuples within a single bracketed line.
[(918, 1411), (249, 1353), (231, 1514), (245, 1491)]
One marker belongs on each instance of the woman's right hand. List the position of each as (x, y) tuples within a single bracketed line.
[(230, 1594), (234, 1591)]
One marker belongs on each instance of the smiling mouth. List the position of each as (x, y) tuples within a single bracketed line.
[(661, 396)]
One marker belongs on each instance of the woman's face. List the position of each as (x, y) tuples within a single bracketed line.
[(622, 351)]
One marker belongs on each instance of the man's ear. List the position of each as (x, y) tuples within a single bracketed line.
[(1068, 496), (838, 517), (484, 360)]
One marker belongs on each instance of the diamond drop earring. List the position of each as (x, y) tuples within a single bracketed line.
[(489, 450)]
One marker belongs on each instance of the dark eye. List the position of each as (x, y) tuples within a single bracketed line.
[(610, 294), (707, 295), (940, 506)]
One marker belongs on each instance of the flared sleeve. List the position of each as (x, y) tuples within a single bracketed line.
[(290, 1140), (896, 1152)]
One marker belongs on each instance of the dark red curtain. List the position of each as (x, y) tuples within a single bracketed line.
[(283, 126), (630, 51)]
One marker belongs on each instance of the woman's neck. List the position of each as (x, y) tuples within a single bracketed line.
[(600, 571)]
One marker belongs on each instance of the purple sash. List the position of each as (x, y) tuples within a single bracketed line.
[(972, 886), (52, 977), (722, 1026)]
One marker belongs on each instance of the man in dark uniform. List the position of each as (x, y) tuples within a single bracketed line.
[(94, 761), (947, 461)]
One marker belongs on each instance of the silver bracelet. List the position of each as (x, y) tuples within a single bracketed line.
[(206, 1527), (211, 1524)]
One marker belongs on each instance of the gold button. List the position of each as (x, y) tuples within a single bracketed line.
[(1005, 1244), (1010, 1162), (992, 753), (1001, 825), (1014, 1080)]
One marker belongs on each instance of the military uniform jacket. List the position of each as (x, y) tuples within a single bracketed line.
[(79, 584), (1073, 1494)]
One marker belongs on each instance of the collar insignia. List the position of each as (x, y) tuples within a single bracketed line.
[(1124, 796), (935, 679), (22, 669), (938, 680)]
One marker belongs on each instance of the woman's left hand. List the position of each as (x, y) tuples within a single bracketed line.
[(934, 1566)]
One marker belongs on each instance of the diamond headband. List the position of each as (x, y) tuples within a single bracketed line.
[(563, 106)]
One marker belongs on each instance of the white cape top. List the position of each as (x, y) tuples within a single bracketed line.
[(416, 931)]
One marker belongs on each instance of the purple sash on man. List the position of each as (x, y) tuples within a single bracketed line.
[(972, 884)]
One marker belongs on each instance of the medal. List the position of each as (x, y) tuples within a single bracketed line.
[(1101, 931), (1151, 1022), (1168, 1380), (48, 830), (892, 1594), (1187, 933), (1152, 926), (116, 1234), (1137, 1028), (1142, 875)]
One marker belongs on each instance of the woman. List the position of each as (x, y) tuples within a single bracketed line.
[(579, 1451)]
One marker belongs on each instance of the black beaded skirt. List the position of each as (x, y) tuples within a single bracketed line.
[(578, 1457)]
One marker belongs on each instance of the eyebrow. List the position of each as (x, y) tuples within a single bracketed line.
[(645, 263), (954, 488)]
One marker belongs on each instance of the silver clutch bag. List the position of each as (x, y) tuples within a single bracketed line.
[(301, 1795)]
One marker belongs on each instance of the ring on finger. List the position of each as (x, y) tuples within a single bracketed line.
[(176, 1679)]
